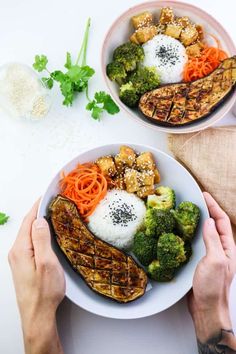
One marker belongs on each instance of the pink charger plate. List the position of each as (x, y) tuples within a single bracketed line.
[(119, 33)]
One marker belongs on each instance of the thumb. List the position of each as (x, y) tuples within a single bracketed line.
[(41, 240), (211, 238)]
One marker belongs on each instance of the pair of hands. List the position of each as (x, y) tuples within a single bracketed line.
[(40, 284)]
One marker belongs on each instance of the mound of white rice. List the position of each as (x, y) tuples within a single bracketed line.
[(117, 218), (167, 55)]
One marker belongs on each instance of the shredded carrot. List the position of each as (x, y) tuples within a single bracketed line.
[(86, 186), (210, 59)]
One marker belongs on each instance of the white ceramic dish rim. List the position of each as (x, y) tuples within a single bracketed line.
[(141, 147), (214, 116)]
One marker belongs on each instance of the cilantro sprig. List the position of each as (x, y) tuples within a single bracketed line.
[(75, 80), (102, 102), (3, 218)]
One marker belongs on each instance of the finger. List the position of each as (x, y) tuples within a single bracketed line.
[(25, 229), (41, 239), (23, 240), (222, 222), (211, 238)]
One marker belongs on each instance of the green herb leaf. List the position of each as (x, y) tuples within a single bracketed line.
[(96, 111), (90, 105), (48, 82), (58, 76), (40, 62), (108, 104), (74, 73), (68, 63), (66, 87), (100, 96), (3, 218), (80, 73)]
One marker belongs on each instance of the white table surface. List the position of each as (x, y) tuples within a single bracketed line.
[(31, 153)]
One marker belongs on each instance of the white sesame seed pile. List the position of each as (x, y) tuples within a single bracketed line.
[(22, 94)]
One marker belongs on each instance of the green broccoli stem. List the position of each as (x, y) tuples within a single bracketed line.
[(84, 46)]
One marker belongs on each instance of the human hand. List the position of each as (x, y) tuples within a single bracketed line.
[(209, 300), (39, 283)]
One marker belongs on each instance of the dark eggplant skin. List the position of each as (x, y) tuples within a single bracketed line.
[(118, 253), (170, 125), (217, 77)]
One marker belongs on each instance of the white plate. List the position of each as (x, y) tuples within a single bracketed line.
[(161, 296)]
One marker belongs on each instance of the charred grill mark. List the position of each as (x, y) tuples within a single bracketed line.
[(162, 109)]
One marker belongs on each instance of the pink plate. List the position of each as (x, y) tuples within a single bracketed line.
[(119, 33)]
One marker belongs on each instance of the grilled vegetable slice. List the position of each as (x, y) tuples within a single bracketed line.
[(184, 103), (104, 268)]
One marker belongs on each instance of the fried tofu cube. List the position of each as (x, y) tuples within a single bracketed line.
[(142, 20), (194, 50), (183, 21), (131, 179), (133, 38), (145, 162), (146, 178), (125, 158), (107, 165), (157, 177), (173, 30), (120, 165), (189, 35), (166, 15), (143, 192), (144, 34)]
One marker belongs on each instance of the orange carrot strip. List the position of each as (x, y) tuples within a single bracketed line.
[(86, 186)]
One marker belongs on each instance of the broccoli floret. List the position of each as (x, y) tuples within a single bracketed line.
[(144, 248), (187, 216), (129, 54), (170, 250), (144, 79), (188, 251), (116, 72), (158, 222), (128, 95), (158, 273), (164, 199)]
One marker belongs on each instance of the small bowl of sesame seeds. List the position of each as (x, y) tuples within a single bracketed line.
[(149, 60)]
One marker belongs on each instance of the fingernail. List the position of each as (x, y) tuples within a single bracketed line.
[(40, 223), (211, 222)]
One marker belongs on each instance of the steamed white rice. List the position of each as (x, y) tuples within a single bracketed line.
[(167, 55), (117, 218)]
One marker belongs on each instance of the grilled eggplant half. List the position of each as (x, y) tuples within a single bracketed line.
[(184, 103), (104, 268)]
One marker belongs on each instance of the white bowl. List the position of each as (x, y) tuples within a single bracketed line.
[(119, 33), (161, 296)]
